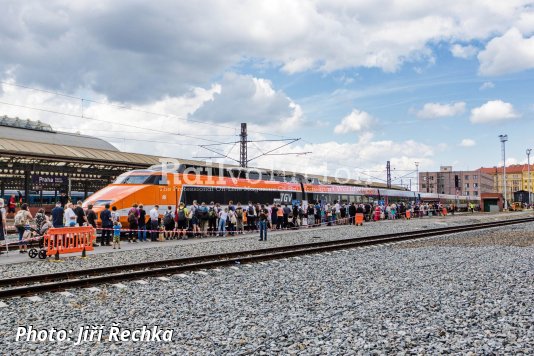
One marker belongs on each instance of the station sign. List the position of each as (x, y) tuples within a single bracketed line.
[(48, 180)]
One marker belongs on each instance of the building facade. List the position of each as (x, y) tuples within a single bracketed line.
[(448, 181), (517, 179)]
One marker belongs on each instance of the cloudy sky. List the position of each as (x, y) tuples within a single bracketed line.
[(360, 82)]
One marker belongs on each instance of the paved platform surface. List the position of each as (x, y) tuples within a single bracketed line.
[(15, 256)]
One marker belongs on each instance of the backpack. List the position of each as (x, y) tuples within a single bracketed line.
[(239, 213), (250, 211), (19, 219), (132, 220), (202, 213), (233, 219), (181, 215), (168, 219)]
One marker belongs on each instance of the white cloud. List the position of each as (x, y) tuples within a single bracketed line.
[(361, 160), (493, 111), (510, 161), (467, 142), (464, 52), (435, 110), (487, 85), (243, 98), (356, 121), (182, 44), (507, 54)]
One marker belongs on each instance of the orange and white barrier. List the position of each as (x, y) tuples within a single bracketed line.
[(69, 239)]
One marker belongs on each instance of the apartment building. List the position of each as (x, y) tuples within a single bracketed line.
[(448, 181)]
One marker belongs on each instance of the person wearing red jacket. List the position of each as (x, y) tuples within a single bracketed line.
[(12, 205)]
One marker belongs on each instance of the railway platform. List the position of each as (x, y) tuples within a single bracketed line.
[(14, 257)]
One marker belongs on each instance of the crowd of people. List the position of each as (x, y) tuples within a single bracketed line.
[(213, 219)]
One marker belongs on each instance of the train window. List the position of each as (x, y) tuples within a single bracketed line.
[(102, 202), (131, 179), (154, 179)]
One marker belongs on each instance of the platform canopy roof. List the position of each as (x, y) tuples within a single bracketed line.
[(36, 131), (58, 152)]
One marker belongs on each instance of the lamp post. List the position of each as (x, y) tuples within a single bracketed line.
[(503, 139), (528, 164), (417, 174)]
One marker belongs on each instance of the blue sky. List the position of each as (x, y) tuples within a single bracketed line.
[(360, 82)]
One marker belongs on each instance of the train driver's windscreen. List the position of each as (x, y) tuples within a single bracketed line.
[(138, 179)]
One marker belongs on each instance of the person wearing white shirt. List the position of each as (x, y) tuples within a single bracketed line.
[(70, 216), (154, 215), (223, 215)]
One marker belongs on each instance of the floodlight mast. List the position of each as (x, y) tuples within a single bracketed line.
[(503, 139)]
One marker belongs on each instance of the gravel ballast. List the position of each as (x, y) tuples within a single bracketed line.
[(464, 293), (155, 251)]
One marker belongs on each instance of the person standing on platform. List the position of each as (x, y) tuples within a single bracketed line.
[(114, 215), (318, 214), (311, 215), (12, 205), (63, 199), (133, 218), (141, 234), (203, 219), (154, 224), (251, 217), (57, 215), (107, 226), (70, 216), (180, 217), (377, 214), (117, 234), (262, 216), (274, 217), (287, 211), (239, 218), (91, 216), (81, 219), (212, 219), (223, 215), (22, 223), (3, 223)]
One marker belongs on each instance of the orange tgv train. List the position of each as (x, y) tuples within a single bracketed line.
[(159, 185)]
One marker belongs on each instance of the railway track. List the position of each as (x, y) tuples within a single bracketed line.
[(30, 285)]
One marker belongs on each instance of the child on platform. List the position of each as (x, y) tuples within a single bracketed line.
[(117, 234)]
